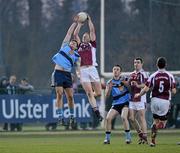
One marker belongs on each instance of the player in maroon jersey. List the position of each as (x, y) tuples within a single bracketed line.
[(89, 76), (163, 85), (137, 109)]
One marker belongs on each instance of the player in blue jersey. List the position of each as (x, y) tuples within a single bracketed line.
[(117, 88), (64, 60)]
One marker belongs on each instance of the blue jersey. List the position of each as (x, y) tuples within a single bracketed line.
[(66, 58), (119, 92)]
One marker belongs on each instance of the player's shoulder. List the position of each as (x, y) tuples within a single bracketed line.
[(144, 73), (64, 44), (123, 77), (76, 53), (114, 81), (93, 43), (110, 80), (132, 73), (154, 74), (170, 74)]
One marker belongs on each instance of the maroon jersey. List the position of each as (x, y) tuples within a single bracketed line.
[(139, 77), (161, 82), (87, 52)]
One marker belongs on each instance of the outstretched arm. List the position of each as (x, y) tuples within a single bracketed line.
[(78, 67), (69, 32), (91, 29), (76, 32)]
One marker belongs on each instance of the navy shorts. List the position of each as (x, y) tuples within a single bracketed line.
[(119, 107), (61, 79), (162, 118)]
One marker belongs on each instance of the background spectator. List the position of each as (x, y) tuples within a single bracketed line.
[(3, 91), (13, 89), (3, 85), (25, 87)]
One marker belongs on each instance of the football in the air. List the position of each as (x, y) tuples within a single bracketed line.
[(82, 16)]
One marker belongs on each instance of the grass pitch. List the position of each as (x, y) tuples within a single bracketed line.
[(83, 142)]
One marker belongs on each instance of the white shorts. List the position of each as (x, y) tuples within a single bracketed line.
[(89, 74), (137, 105), (159, 106)]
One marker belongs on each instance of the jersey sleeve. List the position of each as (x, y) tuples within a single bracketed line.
[(108, 82), (93, 43), (149, 81), (77, 56), (122, 78), (64, 44), (144, 77)]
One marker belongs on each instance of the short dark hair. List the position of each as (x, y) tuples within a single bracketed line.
[(24, 79), (76, 42), (161, 62), (117, 65), (139, 58)]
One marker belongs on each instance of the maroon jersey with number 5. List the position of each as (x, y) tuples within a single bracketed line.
[(161, 82)]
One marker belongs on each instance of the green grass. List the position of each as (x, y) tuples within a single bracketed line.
[(83, 142)]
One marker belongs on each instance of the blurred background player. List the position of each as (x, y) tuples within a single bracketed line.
[(89, 76), (162, 84), (120, 94), (61, 78), (137, 108)]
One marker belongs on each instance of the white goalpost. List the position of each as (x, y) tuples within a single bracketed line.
[(102, 42)]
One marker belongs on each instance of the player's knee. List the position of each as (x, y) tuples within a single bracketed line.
[(70, 98), (59, 95), (124, 118), (89, 94), (131, 119), (142, 119), (98, 94), (108, 119)]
